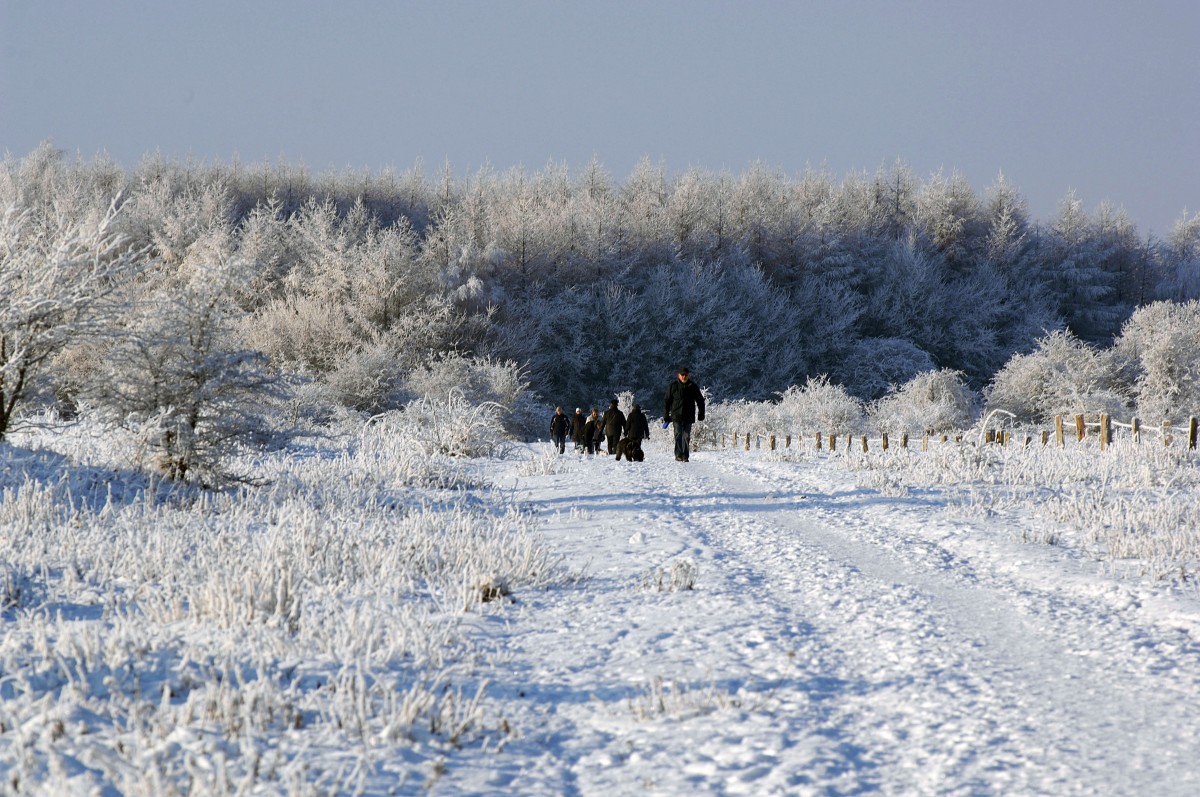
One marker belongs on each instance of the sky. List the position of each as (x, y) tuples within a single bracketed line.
[(1099, 97)]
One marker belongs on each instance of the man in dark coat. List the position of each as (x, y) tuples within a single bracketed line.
[(683, 406), (578, 425), (637, 428), (614, 424), (560, 424)]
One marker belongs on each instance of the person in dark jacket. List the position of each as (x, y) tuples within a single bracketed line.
[(637, 428), (560, 424), (578, 424), (683, 406), (593, 430), (614, 424)]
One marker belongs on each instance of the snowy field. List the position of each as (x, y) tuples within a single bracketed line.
[(379, 620)]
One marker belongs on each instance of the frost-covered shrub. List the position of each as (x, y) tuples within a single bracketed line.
[(1063, 376), (463, 381), (819, 405), (935, 401), (305, 334), (368, 380), (1158, 353), (741, 417), (449, 426)]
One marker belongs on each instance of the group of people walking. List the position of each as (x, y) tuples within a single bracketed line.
[(596, 433), (682, 407)]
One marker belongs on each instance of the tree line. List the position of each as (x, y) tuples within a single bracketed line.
[(358, 285)]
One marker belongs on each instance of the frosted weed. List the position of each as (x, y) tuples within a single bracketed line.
[(673, 700), (678, 576), (548, 463)]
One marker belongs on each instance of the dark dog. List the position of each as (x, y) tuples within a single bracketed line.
[(630, 449)]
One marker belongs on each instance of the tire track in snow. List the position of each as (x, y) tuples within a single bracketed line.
[(964, 683), (847, 650)]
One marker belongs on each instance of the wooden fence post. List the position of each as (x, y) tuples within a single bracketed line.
[(1135, 429), (864, 443), (747, 441), (883, 443), (771, 442), (1104, 431), (904, 440), (1192, 432), (1166, 427), (818, 441), (1046, 437), (1058, 431), (833, 442), (787, 441), (925, 442), (1080, 427)]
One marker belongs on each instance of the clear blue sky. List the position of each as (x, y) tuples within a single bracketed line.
[(1099, 96)]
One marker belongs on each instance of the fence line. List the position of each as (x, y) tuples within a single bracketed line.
[(1103, 427)]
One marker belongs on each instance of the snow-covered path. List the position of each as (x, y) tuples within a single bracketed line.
[(836, 641)]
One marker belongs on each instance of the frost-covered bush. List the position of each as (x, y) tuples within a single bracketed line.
[(741, 417), (1063, 376), (463, 382), (1158, 353), (935, 401), (678, 576), (449, 426), (305, 334), (819, 405)]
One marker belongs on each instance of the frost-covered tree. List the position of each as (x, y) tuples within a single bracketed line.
[(767, 226), (177, 376), (1082, 272), (1183, 252), (57, 274), (644, 234), (874, 366), (949, 215), (1008, 239), (1158, 354)]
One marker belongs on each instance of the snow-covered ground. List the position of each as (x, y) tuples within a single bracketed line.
[(836, 641), (748, 622)]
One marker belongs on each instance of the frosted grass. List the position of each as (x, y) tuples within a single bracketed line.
[(282, 639)]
